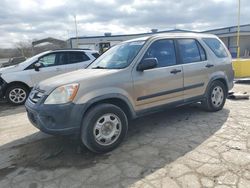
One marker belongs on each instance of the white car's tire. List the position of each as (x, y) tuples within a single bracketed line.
[(17, 94)]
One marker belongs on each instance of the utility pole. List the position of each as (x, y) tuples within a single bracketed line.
[(238, 32), (76, 32)]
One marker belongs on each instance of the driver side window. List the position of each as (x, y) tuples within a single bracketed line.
[(163, 51), (48, 60)]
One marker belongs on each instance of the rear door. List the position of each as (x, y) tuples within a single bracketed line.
[(194, 61), (163, 84)]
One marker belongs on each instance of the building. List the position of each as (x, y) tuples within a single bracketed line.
[(227, 34), (101, 43)]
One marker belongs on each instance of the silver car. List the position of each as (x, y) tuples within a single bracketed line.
[(132, 79)]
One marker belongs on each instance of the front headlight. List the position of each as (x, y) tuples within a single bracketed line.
[(63, 94)]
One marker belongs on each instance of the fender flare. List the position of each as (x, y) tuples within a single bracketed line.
[(110, 97), (216, 77)]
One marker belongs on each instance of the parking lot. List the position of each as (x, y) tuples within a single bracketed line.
[(184, 147)]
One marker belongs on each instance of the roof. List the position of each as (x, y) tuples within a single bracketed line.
[(170, 35), (73, 50), (190, 34)]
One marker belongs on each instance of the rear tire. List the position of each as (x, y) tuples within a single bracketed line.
[(216, 97), (17, 94), (104, 127)]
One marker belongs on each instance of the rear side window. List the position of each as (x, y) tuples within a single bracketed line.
[(216, 46), (163, 51), (96, 55), (77, 57), (191, 51)]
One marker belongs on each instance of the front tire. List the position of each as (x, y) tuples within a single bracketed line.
[(104, 127), (216, 97), (17, 94)]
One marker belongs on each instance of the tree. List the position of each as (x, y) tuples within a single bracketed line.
[(24, 48)]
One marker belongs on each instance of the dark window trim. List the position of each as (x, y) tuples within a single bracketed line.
[(179, 51), (31, 65), (199, 44)]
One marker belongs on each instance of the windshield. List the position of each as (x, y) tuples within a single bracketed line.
[(119, 56)]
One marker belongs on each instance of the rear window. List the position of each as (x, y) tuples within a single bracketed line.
[(216, 46)]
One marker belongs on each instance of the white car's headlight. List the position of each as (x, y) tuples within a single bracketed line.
[(63, 94)]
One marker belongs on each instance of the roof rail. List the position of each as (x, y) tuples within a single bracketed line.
[(71, 49)]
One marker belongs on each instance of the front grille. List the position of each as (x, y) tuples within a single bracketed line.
[(36, 95)]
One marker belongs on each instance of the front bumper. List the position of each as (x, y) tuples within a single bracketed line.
[(62, 119), (3, 87)]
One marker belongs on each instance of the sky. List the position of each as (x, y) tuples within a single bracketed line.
[(27, 20)]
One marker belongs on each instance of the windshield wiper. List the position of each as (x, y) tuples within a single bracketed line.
[(99, 67)]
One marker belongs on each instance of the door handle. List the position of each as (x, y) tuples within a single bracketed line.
[(58, 69), (175, 71), (209, 65)]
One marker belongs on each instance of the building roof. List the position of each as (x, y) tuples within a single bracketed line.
[(226, 28), (137, 34), (50, 40), (220, 31)]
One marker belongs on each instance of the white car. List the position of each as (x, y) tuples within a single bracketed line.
[(16, 81)]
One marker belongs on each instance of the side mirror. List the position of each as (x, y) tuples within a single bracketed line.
[(37, 66), (148, 63)]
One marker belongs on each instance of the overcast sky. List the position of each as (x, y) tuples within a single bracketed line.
[(25, 20)]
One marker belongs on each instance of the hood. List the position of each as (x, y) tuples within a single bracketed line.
[(10, 69), (79, 76)]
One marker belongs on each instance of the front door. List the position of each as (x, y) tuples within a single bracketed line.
[(163, 84), (51, 65)]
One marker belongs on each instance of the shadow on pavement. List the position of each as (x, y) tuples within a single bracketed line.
[(152, 142), (7, 109)]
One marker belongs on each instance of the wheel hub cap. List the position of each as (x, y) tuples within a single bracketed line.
[(217, 96), (17, 95), (107, 129)]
